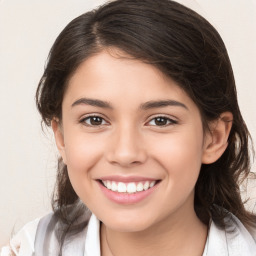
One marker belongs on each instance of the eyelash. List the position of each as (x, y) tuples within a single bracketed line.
[(83, 121), (101, 119), (163, 118)]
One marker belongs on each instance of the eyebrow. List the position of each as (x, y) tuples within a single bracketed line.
[(92, 102), (162, 103), (144, 106)]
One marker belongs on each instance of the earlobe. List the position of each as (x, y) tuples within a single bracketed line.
[(59, 138), (216, 140)]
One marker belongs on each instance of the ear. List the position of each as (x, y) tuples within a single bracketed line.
[(59, 138), (216, 140)]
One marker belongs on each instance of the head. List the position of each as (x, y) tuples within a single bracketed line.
[(159, 42)]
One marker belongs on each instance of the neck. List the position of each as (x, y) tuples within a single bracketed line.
[(175, 235)]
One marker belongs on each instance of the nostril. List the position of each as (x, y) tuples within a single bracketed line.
[(127, 159)]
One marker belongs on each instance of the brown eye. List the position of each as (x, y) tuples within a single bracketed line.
[(94, 121), (162, 121)]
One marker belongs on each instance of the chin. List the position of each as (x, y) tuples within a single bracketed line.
[(129, 224)]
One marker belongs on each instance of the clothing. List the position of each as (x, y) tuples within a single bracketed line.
[(219, 242)]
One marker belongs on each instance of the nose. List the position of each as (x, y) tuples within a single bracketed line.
[(126, 148)]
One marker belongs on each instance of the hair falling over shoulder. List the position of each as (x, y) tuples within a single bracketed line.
[(185, 47)]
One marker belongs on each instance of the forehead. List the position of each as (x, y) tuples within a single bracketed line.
[(118, 78)]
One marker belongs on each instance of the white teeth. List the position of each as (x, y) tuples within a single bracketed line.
[(114, 186), (152, 184), (109, 184), (130, 187), (121, 187), (140, 187), (146, 185)]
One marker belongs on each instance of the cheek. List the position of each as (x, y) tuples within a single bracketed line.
[(180, 158), (83, 153), (180, 155)]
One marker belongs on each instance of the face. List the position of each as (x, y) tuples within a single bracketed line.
[(128, 126)]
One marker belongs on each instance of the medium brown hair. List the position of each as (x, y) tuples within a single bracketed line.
[(185, 47)]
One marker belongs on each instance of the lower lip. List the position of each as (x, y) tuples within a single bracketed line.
[(126, 198)]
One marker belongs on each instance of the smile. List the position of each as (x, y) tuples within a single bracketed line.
[(128, 190), (131, 187)]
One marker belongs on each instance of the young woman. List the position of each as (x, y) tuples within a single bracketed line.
[(142, 101)]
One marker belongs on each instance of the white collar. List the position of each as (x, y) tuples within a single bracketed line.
[(239, 242), (92, 244), (219, 242)]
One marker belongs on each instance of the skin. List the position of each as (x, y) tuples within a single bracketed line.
[(128, 141)]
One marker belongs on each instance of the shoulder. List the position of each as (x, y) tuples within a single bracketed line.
[(43, 236), (235, 239), (23, 242)]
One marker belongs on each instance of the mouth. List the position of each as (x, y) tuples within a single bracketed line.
[(128, 187), (127, 190)]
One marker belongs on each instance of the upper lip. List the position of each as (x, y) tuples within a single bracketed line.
[(119, 178)]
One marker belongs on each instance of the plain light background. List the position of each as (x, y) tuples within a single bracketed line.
[(27, 31)]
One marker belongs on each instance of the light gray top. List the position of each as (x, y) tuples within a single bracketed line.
[(38, 238)]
